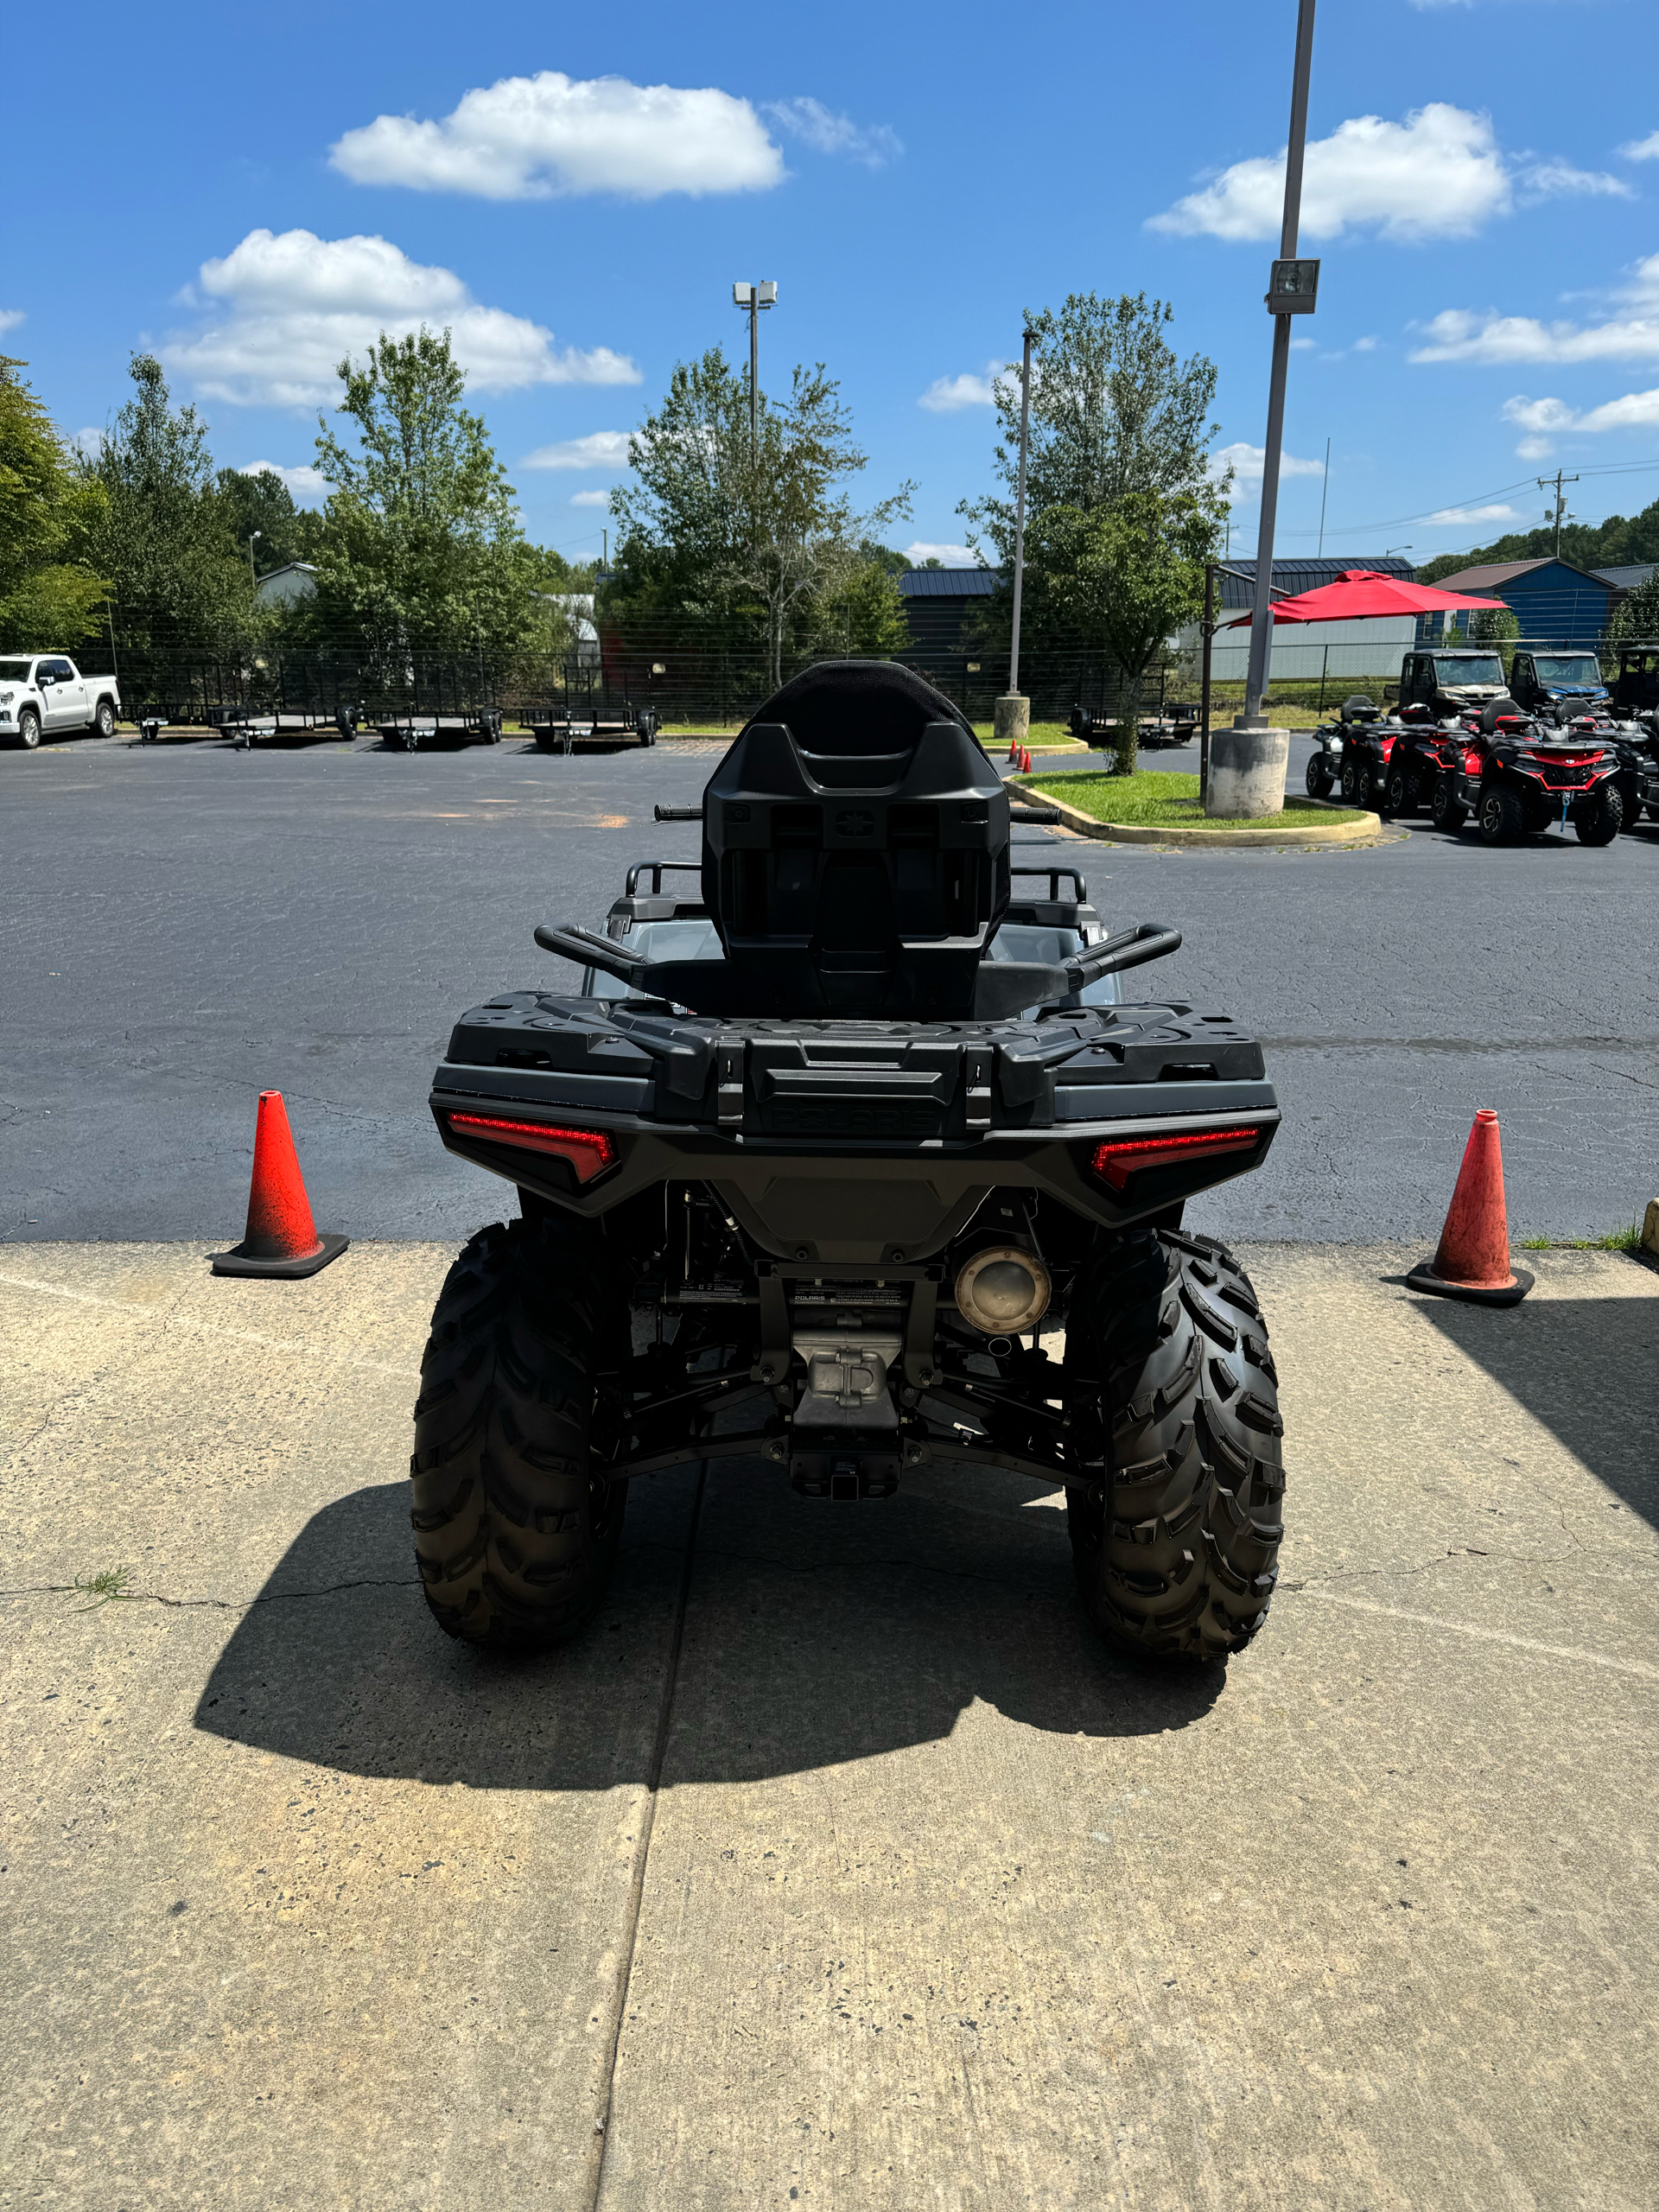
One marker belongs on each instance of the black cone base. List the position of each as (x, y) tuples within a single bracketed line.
[(1423, 1277), (238, 1262)]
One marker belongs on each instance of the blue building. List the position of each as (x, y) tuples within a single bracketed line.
[(1554, 603)]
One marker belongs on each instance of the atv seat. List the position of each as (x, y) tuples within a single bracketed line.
[(1359, 708)]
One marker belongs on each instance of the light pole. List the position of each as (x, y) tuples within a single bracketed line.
[(1011, 715), (1248, 762), (254, 581), (752, 298)]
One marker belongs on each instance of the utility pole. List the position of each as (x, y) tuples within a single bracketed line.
[(1207, 630), (1557, 480), (1248, 764), (1011, 715), (752, 298), (1324, 493)]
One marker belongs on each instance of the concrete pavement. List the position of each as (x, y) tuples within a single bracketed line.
[(838, 1865)]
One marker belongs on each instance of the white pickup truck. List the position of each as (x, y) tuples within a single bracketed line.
[(45, 694)]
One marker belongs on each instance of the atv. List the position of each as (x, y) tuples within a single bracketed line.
[(1411, 762), (811, 1166), (1517, 777), (1349, 751)]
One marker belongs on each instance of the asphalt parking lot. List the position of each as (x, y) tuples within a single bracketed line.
[(187, 925)]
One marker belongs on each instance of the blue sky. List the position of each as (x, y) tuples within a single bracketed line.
[(576, 190)]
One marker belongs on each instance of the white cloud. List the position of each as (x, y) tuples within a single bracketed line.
[(946, 394), (1635, 410), (1248, 463), (91, 443), (538, 137), (302, 480), (873, 143), (1554, 180), (10, 317), (1643, 149), (1462, 334), (1499, 512), (947, 556), (607, 450), (298, 304), (590, 499), (1364, 344), (1439, 174)]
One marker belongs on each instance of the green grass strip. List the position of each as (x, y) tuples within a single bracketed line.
[(1158, 799)]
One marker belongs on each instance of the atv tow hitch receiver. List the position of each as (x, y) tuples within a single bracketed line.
[(845, 1130)]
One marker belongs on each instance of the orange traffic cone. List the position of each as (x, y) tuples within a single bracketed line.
[(1024, 760), (281, 1237), (1473, 1259)]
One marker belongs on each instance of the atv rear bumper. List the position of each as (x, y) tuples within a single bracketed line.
[(854, 1143)]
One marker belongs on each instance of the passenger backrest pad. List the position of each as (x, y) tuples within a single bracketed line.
[(857, 883)]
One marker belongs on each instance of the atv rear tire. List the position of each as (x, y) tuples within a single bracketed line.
[(1448, 810), (1403, 795), (515, 1536), (1502, 818), (1600, 823), (1175, 1549)]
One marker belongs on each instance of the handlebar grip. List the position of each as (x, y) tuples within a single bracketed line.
[(1033, 814), (678, 813)]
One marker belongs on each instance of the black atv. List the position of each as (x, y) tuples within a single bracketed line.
[(809, 1168), (1349, 751), (1519, 777)]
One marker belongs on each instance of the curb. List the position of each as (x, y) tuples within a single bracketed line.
[(1330, 834)]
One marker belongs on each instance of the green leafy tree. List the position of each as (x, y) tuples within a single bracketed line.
[(722, 518), (1126, 575), (1620, 541), (160, 529), (1114, 410), (51, 593), (422, 549), (259, 501), (1637, 616)]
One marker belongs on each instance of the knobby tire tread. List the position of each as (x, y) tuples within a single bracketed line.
[(1176, 1547), (514, 1541)]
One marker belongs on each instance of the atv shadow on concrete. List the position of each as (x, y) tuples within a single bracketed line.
[(810, 1638)]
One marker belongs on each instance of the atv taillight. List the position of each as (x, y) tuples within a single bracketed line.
[(1122, 1157), (589, 1151)]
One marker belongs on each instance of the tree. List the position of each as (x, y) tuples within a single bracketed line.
[(1621, 540), (1635, 618), (722, 519), (51, 593), (1112, 411), (421, 548), (1127, 574), (259, 500), (159, 529)]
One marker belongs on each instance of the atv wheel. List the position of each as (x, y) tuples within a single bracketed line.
[(515, 1536), (1350, 784), (1175, 1549), (1448, 810), (1503, 819), (1318, 777), (1601, 821), (1403, 796)]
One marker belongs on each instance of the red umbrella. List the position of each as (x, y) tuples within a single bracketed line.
[(1362, 594)]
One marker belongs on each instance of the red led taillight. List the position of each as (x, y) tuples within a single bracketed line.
[(590, 1152), (1122, 1157)]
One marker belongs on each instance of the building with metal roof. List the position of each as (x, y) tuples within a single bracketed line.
[(1553, 601), (938, 602)]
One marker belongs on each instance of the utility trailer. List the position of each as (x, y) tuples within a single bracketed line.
[(288, 726), (440, 733), (586, 717)]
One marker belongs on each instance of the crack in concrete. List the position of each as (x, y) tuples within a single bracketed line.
[(212, 1604)]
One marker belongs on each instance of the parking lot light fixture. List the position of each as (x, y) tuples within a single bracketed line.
[(253, 579)]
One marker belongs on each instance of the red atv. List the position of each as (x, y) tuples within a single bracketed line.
[(1517, 777)]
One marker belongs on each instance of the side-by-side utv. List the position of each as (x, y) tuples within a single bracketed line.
[(851, 1166)]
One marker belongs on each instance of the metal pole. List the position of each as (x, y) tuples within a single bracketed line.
[(1324, 493), (754, 372), (1261, 618), (1207, 631), (1019, 515)]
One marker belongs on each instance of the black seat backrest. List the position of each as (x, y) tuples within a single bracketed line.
[(856, 849)]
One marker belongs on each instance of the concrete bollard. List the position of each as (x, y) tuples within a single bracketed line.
[(1247, 773), (1011, 723)]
